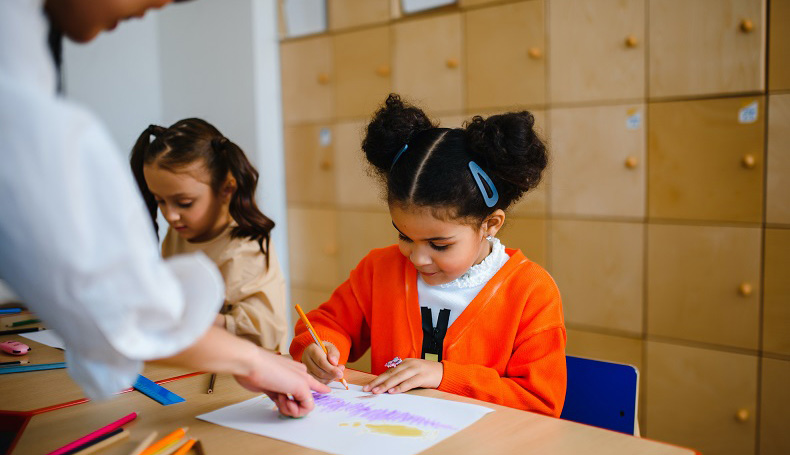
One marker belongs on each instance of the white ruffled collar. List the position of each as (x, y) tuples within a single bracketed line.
[(482, 272)]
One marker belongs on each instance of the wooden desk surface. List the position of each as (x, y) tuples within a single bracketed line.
[(505, 431)]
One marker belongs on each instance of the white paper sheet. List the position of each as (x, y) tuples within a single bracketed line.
[(48, 337), (354, 422)]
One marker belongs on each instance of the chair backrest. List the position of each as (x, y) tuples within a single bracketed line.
[(602, 394)]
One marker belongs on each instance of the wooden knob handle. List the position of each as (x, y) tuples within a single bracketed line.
[(745, 289), (534, 53), (451, 63), (323, 78), (631, 41), (747, 25), (631, 162), (742, 415), (748, 161), (325, 164), (383, 70), (330, 249)]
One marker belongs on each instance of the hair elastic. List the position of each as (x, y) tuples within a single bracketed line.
[(397, 156), (479, 174)]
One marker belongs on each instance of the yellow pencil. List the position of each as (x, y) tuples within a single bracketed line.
[(315, 337), (185, 448)]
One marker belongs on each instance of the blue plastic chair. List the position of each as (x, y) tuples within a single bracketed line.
[(602, 394)]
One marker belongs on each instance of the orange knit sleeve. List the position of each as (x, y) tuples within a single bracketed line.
[(341, 320), (534, 380)]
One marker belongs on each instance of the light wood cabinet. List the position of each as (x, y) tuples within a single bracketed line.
[(597, 50), (703, 284), (598, 268), (308, 300), (314, 251), (363, 71), (601, 346), (779, 46), (527, 235), (357, 186), (599, 161), (506, 68), (309, 164), (701, 398), (776, 310), (775, 407), (777, 204), (706, 47), (359, 233), (427, 60), (354, 13), (706, 160), (307, 84)]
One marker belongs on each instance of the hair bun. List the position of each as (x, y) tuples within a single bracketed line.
[(510, 148), (392, 126)]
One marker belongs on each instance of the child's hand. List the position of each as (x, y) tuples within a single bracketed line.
[(410, 374), (323, 366)]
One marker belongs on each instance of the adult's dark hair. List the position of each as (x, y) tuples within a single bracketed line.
[(191, 140), (434, 172)]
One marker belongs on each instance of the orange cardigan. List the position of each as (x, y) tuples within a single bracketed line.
[(507, 347)]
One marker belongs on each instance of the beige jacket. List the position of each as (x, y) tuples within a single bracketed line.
[(254, 294)]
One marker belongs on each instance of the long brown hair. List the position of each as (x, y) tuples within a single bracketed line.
[(189, 140)]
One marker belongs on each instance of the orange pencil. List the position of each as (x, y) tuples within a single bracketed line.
[(315, 337), (185, 448), (166, 441)]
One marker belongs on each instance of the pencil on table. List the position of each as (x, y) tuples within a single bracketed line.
[(15, 362), (144, 443), (315, 337), (100, 444), (185, 448), (211, 381), (166, 441)]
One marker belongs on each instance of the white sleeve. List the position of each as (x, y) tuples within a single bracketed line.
[(77, 245)]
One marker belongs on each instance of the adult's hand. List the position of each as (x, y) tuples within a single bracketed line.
[(286, 382)]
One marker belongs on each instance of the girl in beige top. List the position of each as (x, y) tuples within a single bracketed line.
[(205, 187)]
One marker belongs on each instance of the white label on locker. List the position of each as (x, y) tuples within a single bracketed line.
[(325, 137), (748, 113), (633, 119)]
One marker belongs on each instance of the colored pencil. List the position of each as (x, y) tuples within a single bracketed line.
[(211, 383), (17, 331), (31, 367), (10, 310), (185, 448), (15, 362), (93, 441), (99, 445), (315, 337), (166, 441), (25, 322), (91, 436), (144, 443)]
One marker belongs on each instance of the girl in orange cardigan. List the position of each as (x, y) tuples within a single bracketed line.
[(469, 316)]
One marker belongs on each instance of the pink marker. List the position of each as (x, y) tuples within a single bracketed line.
[(91, 436)]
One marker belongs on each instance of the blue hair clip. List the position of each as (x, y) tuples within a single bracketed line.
[(479, 174), (395, 160)]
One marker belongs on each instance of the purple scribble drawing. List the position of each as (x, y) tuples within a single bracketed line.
[(333, 403)]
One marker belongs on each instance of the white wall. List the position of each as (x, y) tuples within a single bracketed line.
[(213, 59)]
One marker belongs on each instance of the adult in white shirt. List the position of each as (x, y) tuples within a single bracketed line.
[(75, 240)]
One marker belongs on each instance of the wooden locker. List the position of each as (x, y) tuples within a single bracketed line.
[(701, 398), (314, 252), (598, 266), (597, 50), (776, 292), (779, 46), (357, 185), (355, 13), (706, 160), (506, 68), (526, 234), (599, 161), (427, 62), (703, 284), (307, 84), (706, 47), (775, 409), (309, 164), (777, 204), (362, 71)]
